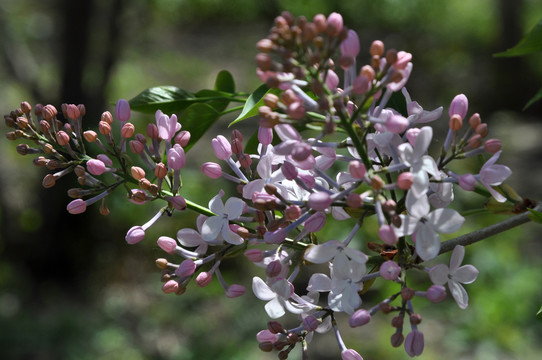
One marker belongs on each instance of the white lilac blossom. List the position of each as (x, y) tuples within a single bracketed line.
[(426, 224), (218, 227), (277, 296), (494, 175), (455, 275)]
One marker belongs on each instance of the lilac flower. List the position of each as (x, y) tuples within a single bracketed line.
[(167, 126), (425, 225), (217, 227), (192, 238), (494, 175), (455, 275), (332, 249), (277, 296)]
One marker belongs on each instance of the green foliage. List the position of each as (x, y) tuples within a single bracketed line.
[(535, 216), (254, 101)]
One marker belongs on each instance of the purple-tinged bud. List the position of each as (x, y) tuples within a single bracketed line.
[(136, 146), (265, 135), (127, 130), (268, 335), (275, 327), (459, 106), (289, 170), (235, 290), (170, 286), (397, 321), (359, 318), (26, 107), (273, 268), (475, 141), (414, 343), (62, 138), (152, 131), (316, 222), (467, 182), (77, 206), (182, 138), (455, 123), (389, 270), (72, 111), (397, 124), (354, 200), (176, 158), (134, 235), (436, 293), (361, 84), (82, 109), (296, 110), (350, 45), (377, 48), (405, 180), (105, 159), (320, 22), (407, 293), (275, 237), (221, 147), (357, 169), (475, 120), (167, 244), (415, 319), (107, 117), (493, 146), (482, 130), (186, 268), (350, 354), (104, 128), (204, 278), (44, 126), (397, 339), (310, 323), (122, 110), (95, 167), (266, 346), (301, 151), (212, 170), (160, 170), (412, 134), (292, 212), (48, 181), (178, 202), (319, 201), (254, 255), (334, 24), (387, 235), (332, 80), (49, 112)]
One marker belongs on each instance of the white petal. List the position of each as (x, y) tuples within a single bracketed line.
[(429, 165), (295, 308), (274, 309), (216, 205), (466, 274), (319, 282), (252, 187), (319, 254), (211, 228), (445, 220), (427, 242), (418, 207), (457, 258), (439, 274), (231, 237), (459, 294), (356, 255), (408, 225), (261, 290), (234, 208), (422, 141)]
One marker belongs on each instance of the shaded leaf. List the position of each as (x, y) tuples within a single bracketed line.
[(397, 102), (539, 314), (530, 43), (198, 118), (224, 82), (535, 98), (217, 99), (254, 101), (535, 216), (169, 99)]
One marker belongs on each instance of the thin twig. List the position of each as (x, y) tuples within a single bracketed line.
[(484, 233)]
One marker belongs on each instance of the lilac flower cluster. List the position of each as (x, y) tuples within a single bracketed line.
[(362, 158)]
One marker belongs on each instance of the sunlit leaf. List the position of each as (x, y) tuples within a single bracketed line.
[(224, 82), (529, 44), (169, 99), (254, 101), (539, 314), (198, 118)]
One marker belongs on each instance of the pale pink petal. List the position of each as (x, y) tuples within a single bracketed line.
[(189, 237), (320, 254), (234, 208), (261, 290), (445, 220), (459, 294), (216, 205), (422, 141), (457, 258), (211, 228), (427, 242), (439, 274), (231, 237), (319, 282), (466, 274), (495, 174)]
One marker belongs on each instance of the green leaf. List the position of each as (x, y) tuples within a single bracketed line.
[(169, 99), (397, 102), (224, 82), (208, 96), (535, 98), (198, 118), (539, 314), (535, 216), (530, 43), (254, 101)]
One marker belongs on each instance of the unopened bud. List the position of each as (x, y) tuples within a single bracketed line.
[(107, 117), (160, 170), (455, 123), (90, 136)]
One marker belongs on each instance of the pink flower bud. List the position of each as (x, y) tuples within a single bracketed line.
[(137, 172), (377, 48), (319, 200), (350, 45), (296, 110), (160, 170), (359, 318), (436, 293), (167, 244), (265, 135), (334, 24), (221, 147), (170, 287), (357, 169), (316, 222), (212, 170), (266, 336), (332, 80), (122, 110), (136, 146), (176, 158), (475, 120), (182, 138), (152, 131), (254, 255), (273, 268), (135, 235), (407, 293), (274, 237), (178, 202), (467, 182), (107, 117), (204, 278), (414, 343), (127, 130), (459, 106), (187, 268), (361, 84), (455, 123), (62, 138), (493, 146), (389, 270), (412, 134), (405, 180), (95, 167), (73, 111), (354, 200), (104, 128), (105, 159), (235, 290), (403, 58), (77, 206), (350, 354), (289, 170), (396, 124), (292, 212), (310, 323), (387, 234), (301, 151)]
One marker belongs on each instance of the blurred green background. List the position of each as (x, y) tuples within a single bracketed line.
[(71, 288)]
